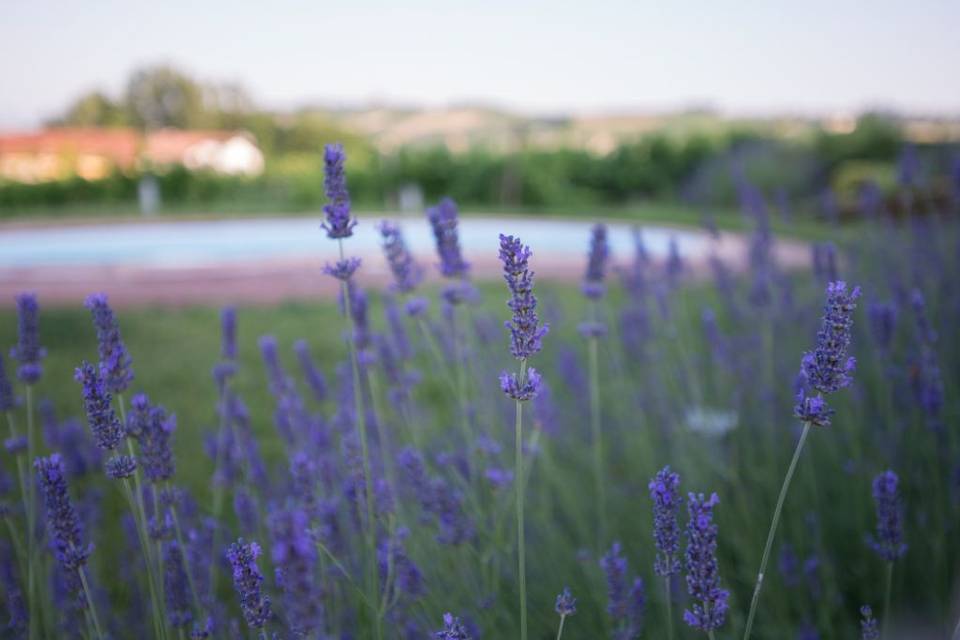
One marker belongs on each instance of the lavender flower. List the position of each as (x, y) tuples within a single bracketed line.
[(407, 274), (703, 578), (28, 351), (888, 541), (7, 400), (453, 629), (614, 566), (828, 369), (228, 333), (157, 456), (868, 625), (115, 362), (106, 427), (294, 554), (521, 389), (176, 587), (883, 319), (313, 375), (247, 580), (637, 605), (120, 467), (593, 286), (525, 330), (566, 604), (338, 221), (443, 221), (64, 526), (664, 491), (343, 269)]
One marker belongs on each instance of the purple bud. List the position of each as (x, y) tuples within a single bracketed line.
[(115, 362), (28, 351)]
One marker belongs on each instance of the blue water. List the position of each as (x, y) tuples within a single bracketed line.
[(191, 243)]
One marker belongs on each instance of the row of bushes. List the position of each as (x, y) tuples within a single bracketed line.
[(698, 169)]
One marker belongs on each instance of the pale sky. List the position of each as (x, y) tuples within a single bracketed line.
[(540, 57)]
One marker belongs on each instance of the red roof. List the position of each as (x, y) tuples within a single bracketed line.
[(119, 145)]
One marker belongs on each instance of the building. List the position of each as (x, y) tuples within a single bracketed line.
[(94, 153)]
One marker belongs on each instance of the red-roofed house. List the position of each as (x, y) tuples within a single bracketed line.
[(93, 153)]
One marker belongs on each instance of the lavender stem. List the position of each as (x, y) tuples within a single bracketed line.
[(773, 529), (666, 585), (597, 434), (373, 571), (518, 483), (886, 601), (32, 585), (90, 603), (560, 630)]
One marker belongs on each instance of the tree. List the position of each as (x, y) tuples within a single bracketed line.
[(94, 109), (162, 96)]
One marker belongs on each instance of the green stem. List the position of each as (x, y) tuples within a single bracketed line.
[(773, 529), (518, 483), (178, 532), (90, 603), (597, 435), (145, 545), (32, 585), (666, 585), (560, 629), (888, 586), (372, 569), (218, 486)]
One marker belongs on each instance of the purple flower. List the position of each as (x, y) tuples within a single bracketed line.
[(812, 409), (64, 526), (592, 329), (156, 454), (525, 330), (517, 389), (868, 624), (883, 319), (313, 375), (664, 491), (247, 580), (119, 467), (176, 587), (15, 602), (614, 566), (636, 607), (453, 629), (703, 578), (407, 274), (443, 221), (7, 400), (15, 444), (294, 555), (104, 424), (139, 415), (228, 333), (498, 477), (343, 269), (827, 367), (416, 307), (566, 604), (337, 211), (593, 286), (888, 541), (28, 351), (115, 362)]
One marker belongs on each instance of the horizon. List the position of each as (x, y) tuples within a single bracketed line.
[(813, 61)]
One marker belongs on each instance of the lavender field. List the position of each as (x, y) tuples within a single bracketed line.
[(648, 453)]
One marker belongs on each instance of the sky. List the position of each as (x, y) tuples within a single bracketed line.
[(543, 57)]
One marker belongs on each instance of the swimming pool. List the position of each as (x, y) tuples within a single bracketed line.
[(195, 243)]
